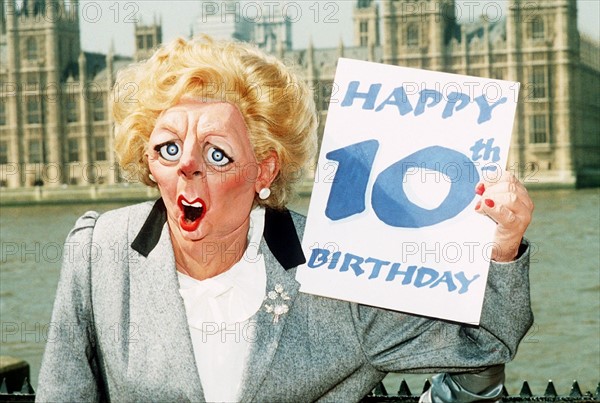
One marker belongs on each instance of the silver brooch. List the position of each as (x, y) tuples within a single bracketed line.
[(275, 302)]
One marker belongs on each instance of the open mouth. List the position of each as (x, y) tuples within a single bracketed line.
[(192, 213)]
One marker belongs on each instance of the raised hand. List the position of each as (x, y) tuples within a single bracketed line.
[(507, 202)]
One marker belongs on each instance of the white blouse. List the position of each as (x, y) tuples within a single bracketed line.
[(218, 313)]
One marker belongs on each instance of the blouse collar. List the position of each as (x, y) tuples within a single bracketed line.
[(279, 233), (234, 295)]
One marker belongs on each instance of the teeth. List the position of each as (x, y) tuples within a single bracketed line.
[(196, 204)]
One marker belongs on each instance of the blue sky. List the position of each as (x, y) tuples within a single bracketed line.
[(325, 21)]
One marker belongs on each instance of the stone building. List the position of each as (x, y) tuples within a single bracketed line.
[(266, 23), (55, 123), (556, 136), (54, 117)]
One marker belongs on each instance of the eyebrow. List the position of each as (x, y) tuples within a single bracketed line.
[(169, 126), (168, 122)]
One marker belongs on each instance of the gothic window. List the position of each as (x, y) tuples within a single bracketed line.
[(32, 79), (31, 48), (140, 42), (99, 108), (149, 42), (99, 149), (537, 28), (73, 150), (412, 35), (33, 111), (3, 152), (538, 82), (35, 151), (2, 113), (539, 134), (71, 106), (364, 33)]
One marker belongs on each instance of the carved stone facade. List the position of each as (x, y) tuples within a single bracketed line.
[(54, 116), (55, 126)]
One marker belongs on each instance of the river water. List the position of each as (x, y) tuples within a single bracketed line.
[(563, 344)]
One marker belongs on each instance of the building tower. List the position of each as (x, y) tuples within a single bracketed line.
[(366, 23), (224, 20), (42, 49), (543, 54), (273, 26), (417, 32), (147, 39)]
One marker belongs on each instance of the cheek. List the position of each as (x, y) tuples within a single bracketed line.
[(232, 185), (166, 177)]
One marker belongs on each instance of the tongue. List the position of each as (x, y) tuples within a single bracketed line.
[(192, 213)]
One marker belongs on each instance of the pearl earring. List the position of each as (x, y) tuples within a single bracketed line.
[(152, 178), (264, 193)]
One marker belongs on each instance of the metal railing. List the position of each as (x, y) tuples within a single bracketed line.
[(379, 395), (24, 393)]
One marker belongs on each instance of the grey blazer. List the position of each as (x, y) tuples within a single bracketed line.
[(119, 329)]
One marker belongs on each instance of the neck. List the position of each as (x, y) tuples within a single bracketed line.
[(208, 257)]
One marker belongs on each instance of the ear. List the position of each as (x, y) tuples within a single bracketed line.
[(268, 169)]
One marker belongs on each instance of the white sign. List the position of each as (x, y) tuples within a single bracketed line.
[(392, 220)]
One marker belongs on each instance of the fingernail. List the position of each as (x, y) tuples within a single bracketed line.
[(490, 203), (480, 189), (478, 205)]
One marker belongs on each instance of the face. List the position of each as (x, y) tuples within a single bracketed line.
[(202, 160)]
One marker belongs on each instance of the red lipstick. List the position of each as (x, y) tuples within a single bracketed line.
[(192, 213)]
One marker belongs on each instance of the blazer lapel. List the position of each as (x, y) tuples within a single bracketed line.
[(154, 279), (154, 276), (281, 250), (268, 324)]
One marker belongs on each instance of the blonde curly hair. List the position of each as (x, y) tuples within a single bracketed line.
[(277, 106)]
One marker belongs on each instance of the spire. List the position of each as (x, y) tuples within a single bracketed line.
[(310, 60), (109, 62), (310, 53), (280, 48), (82, 68), (341, 47)]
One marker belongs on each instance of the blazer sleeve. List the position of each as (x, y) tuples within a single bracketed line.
[(69, 369), (396, 342)]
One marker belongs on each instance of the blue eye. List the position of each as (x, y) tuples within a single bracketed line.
[(216, 156), (170, 151)]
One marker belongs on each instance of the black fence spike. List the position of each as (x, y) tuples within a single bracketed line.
[(575, 390), (426, 386), (380, 390), (550, 390), (525, 390), (504, 392), (404, 389), (3, 388), (27, 388)]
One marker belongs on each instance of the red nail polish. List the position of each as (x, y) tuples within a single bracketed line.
[(478, 205), (490, 203), (480, 189)]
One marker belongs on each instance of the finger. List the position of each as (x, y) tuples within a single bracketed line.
[(507, 211), (510, 186), (486, 184), (506, 176)]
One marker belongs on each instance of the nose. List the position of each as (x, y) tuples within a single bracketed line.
[(190, 164)]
